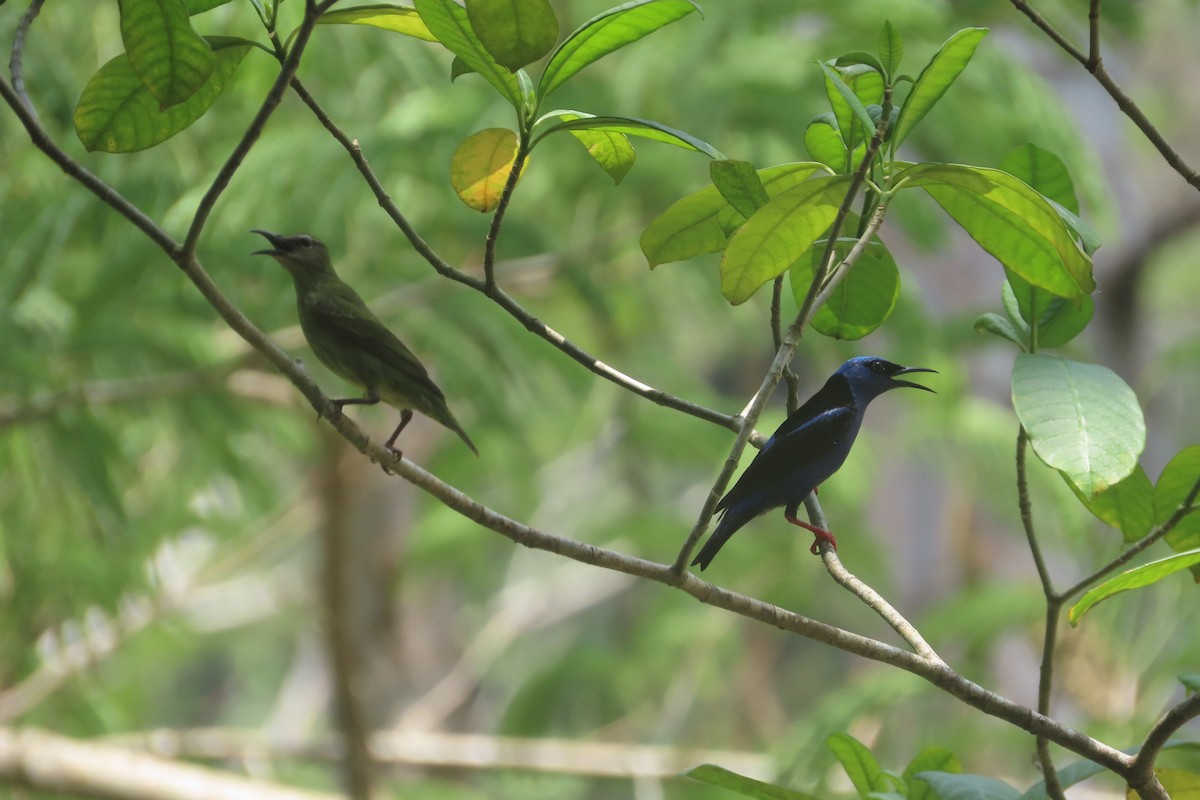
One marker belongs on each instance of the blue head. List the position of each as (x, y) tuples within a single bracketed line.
[(870, 377)]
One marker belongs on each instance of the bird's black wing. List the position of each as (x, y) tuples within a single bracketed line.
[(804, 448)]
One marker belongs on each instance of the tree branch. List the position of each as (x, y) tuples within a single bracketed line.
[(1142, 769), (46, 762), (15, 64), (1095, 65)]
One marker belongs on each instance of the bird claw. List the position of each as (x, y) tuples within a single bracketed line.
[(399, 457)]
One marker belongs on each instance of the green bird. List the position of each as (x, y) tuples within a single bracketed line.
[(349, 339)]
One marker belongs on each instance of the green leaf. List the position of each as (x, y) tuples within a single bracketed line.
[(447, 20), (891, 48), (195, 7), (859, 57), (778, 234), (1128, 506), (832, 78), (1082, 419), (931, 759), (1045, 172), (1191, 683), (1052, 320), (862, 301), (1000, 326), (824, 142), (1136, 578), (1011, 221), (935, 79), (1174, 484), (952, 786), (746, 787), (692, 226), (860, 766), (608, 31), (398, 19), (611, 151), (458, 68), (172, 61), (515, 32), (117, 114), (630, 126), (1180, 784), (739, 184)]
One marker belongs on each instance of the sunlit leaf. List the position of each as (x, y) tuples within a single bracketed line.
[(857, 108), (858, 762), (608, 31), (1052, 320), (1177, 480), (1136, 578), (865, 297), (824, 142), (778, 234), (891, 48), (1127, 506), (171, 59), (742, 785), (118, 114), (447, 21), (610, 150), (398, 19), (515, 32), (630, 126), (693, 226), (1044, 171), (1082, 419), (941, 71), (739, 184), (1012, 222), (481, 165)]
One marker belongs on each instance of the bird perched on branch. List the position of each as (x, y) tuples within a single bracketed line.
[(352, 342), (807, 448)]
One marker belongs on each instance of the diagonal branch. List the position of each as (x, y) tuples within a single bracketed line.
[(502, 298), (1178, 716)]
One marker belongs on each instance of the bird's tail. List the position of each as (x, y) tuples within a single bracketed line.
[(732, 519), (453, 425)]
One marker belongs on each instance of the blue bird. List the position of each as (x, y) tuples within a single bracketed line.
[(807, 448)]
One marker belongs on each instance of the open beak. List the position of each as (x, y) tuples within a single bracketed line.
[(277, 244), (906, 371)]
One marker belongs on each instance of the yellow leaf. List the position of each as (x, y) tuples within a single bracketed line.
[(481, 166)]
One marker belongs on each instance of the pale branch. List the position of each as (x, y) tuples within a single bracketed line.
[(46, 762), (454, 751), (502, 298), (1186, 507), (91, 394), (871, 598), (1095, 65), (336, 580), (274, 96)]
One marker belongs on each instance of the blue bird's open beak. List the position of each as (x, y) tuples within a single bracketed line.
[(909, 384)]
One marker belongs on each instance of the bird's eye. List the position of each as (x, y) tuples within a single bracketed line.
[(306, 241), (878, 365)]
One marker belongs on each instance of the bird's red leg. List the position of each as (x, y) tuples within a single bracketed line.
[(820, 533)]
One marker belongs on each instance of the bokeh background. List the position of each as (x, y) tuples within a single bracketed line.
[(163, 492)]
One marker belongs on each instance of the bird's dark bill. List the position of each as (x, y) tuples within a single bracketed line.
[(277, 244), (909, 384)]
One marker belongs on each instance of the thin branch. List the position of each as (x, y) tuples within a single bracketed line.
[(1093, 35), (15, 63), (493, 234), (336, 565), (1178, 716), (111, 392), (1053, 611), (1124, 102), (502, 298), (1157, 532), (47, 762), (270, 103), (789, 375), (455, 751)]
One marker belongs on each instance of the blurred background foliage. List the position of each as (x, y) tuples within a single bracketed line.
[(152, 465)]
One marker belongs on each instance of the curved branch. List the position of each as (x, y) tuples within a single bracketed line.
[(502, 298), (15, 64), (1142, 769)]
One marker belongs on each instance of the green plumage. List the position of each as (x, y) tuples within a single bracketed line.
[(349, 339)]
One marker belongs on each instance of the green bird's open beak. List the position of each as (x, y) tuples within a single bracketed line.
[(278, 245), (909, 384)]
